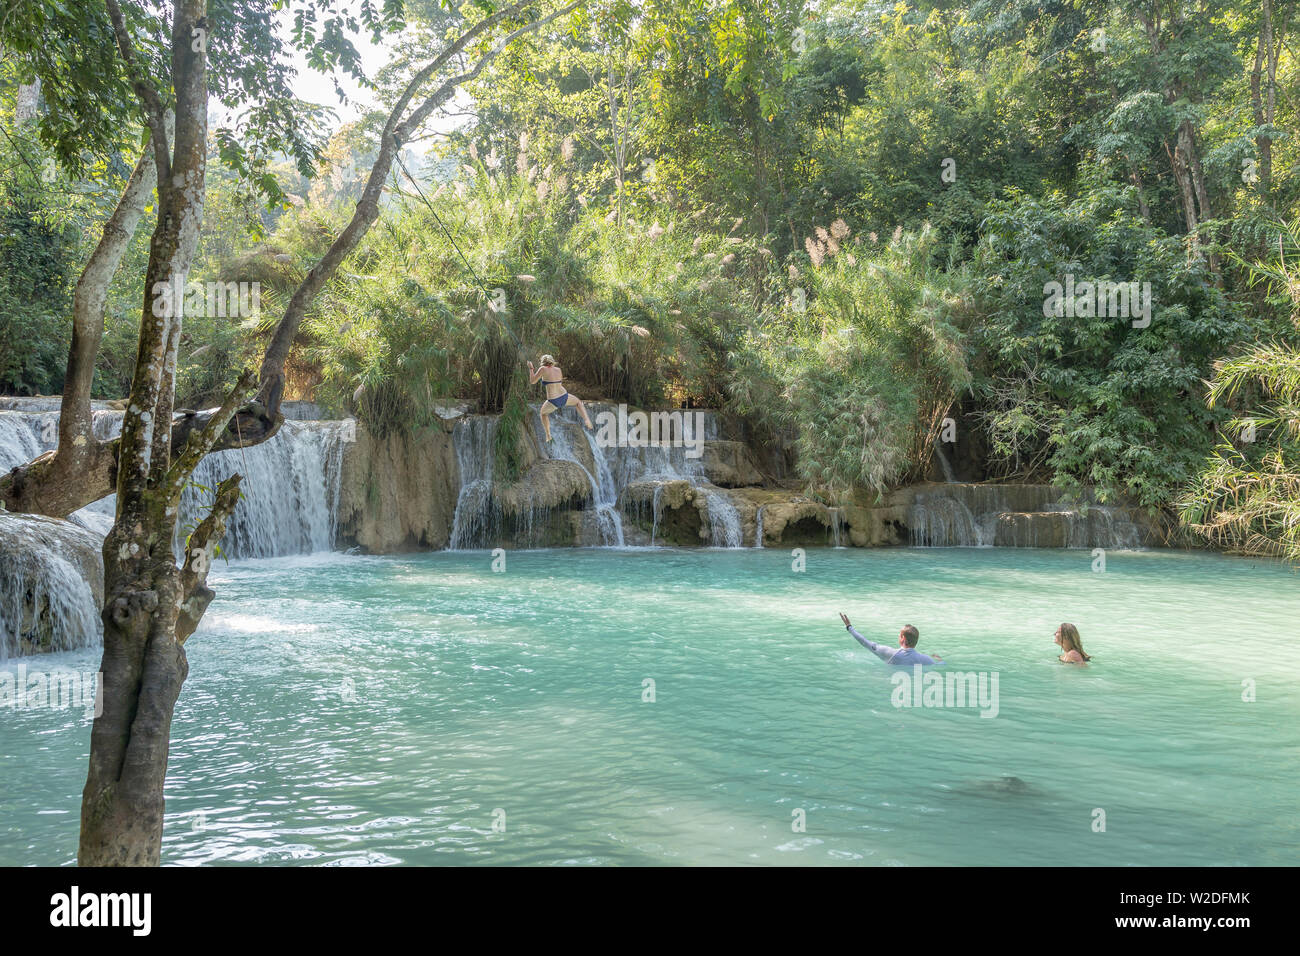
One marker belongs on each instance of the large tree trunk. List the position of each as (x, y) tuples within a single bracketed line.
[(151, 605), (144, 664)]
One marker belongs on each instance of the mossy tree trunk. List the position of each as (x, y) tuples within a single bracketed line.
[(151, 605)]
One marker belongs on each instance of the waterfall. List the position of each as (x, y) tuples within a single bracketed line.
[(25, 435), (45, 603), (289, 496), (50, 573), (604, 489), (664, 462), (657, 501), (619, 466), (837, 527), (758, 526), (1017, 516), (943, 462), (478, 519), (724, 521), (944, 523), (290, 492), (30, 427)]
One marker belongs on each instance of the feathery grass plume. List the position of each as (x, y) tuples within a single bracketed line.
[(869, 367), (815, 251)]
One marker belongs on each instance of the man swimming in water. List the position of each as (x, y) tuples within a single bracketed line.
[(905, 653)]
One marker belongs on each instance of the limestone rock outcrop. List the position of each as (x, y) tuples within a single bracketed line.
[(398, 493)]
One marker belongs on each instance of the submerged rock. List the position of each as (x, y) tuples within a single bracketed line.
[(51, 585), (1004, 786)]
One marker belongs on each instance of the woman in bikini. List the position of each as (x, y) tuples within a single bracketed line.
[(549, 374), (1067, 636)]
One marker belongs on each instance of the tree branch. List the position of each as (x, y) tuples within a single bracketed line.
[(154, 114), (201, 441), (77, 441), (396, 131), (199, 549)]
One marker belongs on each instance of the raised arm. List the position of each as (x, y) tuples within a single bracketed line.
[(533, 374), (884, 653)]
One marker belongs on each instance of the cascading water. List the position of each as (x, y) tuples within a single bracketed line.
[(837, 527), (1021, 516), (604, 490), (724, 521), (289, 496), (30, 427), (943, 462), (619, 465), (288, 505), (24, 435), (290, 492), (656, 504), (47, 601), (477, 517)]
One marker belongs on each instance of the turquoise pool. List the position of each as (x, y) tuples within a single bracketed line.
[(428, 710)]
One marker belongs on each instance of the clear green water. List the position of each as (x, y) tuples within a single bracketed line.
[(345, 710)]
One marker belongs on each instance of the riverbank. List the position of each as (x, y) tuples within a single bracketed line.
[(325, 484)]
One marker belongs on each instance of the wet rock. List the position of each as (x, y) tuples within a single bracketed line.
[(398, 493), (731, 464)]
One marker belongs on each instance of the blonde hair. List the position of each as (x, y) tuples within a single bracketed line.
[(1070, 641), (547, 360)]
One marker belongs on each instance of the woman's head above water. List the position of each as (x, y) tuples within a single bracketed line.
[(1067, 635)]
